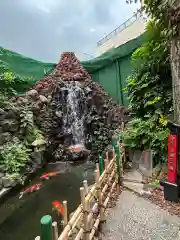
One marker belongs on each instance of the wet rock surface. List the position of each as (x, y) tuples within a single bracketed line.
[(76, 103)]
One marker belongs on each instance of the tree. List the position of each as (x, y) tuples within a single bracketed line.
[(167, 14)]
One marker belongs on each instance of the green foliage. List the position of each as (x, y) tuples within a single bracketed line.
[(27, 121), (9, 80), (149, 91), (14, 157), (166, 13), (150, 86), (31, 136), (147, 134), (28, 128), (100, 140)]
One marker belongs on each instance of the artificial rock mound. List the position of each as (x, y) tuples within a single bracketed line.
[(78, 110)]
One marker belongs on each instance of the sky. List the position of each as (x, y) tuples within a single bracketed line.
[(43, 29)]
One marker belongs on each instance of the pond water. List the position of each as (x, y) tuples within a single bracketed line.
[(20, 218)]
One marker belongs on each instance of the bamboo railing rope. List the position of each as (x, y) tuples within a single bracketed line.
[(90, 214), (80, 234), (95, 206), (88, 197)]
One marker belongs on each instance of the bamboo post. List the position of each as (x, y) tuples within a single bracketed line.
[(97, 166), (85, 218), (113, 153), (65, 217), (55, 231), (82, 194), (98, 187), (46, 228), (118, 167), (106, 165), (107, 156), (122, 126), (85, 184), (100, 164), (85, 212)]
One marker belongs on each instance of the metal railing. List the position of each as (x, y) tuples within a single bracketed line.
[(119, 29)]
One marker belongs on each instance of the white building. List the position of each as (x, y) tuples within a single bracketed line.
[(132, 28)]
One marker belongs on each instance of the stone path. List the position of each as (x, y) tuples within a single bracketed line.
[(135, 218)]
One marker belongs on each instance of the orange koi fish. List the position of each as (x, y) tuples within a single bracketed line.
[(57, 205), (48, 175), (33, 188), (75, 149)]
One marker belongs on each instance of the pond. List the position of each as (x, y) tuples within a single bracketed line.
[(20, 218)]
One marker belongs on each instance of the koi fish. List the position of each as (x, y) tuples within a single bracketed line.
[(48, 175), (57, 205), (33, 188), (75, 149)]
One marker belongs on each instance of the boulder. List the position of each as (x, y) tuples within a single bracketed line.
[(32, 94), (38, 158), (5, 137), (7, 182), (1, 175), (10, 125), (43, 99)]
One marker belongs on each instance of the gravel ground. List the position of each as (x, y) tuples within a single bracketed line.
[(136, 218), (157, 197)]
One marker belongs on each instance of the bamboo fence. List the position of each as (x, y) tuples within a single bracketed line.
[(88, 217)]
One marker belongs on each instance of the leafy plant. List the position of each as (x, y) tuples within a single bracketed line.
[(9, 80), (146, 134), (14, 157), (34, 134), (150, 86), (149, 91), (27, 121)]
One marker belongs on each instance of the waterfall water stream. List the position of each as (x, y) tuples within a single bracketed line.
[(73, 120)]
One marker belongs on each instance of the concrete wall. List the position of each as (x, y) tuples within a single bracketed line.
[(130, 32)]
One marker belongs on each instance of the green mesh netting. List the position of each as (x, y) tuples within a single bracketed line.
[(114, 54), (34, 70)]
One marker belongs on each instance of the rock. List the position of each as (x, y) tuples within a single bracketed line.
[(1, 175), (11, 114), (38, 158), (10, 125), (8, 182), (43, 99), (36, 107), (2, 112), (32, 94), (59, 114), (2, 168), (5, 137), (100, 115), (21, 101)]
